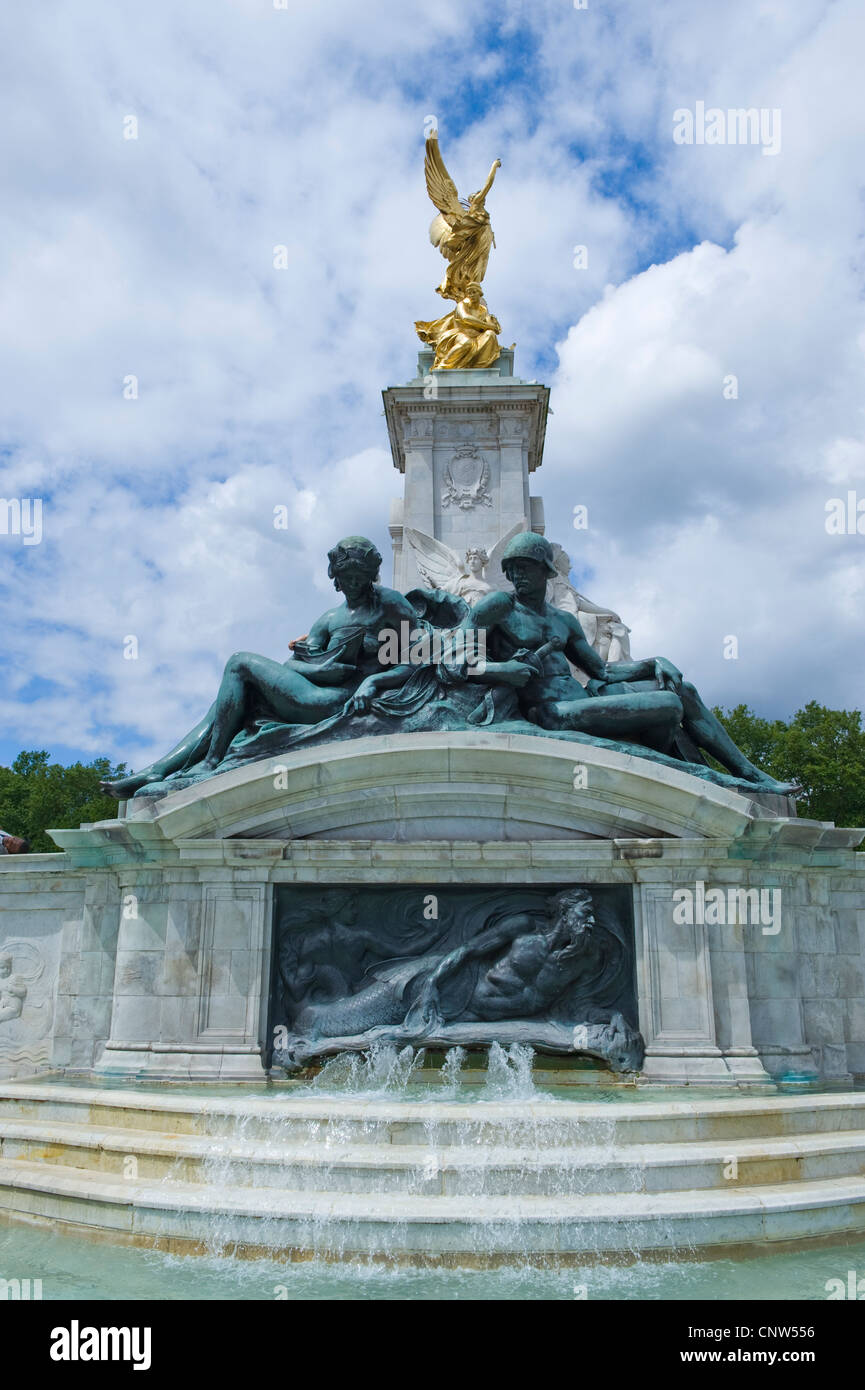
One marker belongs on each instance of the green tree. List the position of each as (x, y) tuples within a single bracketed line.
[(821, 749), (36, 796)]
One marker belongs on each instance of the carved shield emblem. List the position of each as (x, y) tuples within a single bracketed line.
[(466, 479)]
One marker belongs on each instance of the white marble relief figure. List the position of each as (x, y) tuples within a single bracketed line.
[(473, 586), (471, 578), (441, 568), (13, 990), (604, 629), (25, 1008)]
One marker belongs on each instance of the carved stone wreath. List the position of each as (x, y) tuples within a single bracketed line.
[(466, 479)]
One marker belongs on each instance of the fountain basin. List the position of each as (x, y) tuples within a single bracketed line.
[(300, 1175)]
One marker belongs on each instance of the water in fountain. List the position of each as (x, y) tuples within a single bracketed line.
[(479, 1142), (374, 1150), (382, 1071), (451, 1071), (75, 1267), (509, 1074)]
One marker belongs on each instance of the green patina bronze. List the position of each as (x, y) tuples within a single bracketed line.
[(339, 684)]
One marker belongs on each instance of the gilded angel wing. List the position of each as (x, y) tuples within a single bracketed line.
[(441, 189), (493, 572), (437, 564)]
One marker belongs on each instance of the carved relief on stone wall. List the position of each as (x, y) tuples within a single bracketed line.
[(512, 427), (26, 1009), (417, 428), (466, 479), (551, 967), (465, 431)]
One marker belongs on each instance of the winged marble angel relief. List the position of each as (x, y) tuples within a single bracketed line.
[(468, 579), (479, 573), (461, 231)]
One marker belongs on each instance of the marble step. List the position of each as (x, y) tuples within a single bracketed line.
[(428, 1170), (520, 1123), (198, 1218)]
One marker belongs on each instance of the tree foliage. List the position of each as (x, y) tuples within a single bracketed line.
[(821, 749), (36, 796)]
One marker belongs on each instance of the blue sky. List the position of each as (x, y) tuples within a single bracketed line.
[(257, 387)]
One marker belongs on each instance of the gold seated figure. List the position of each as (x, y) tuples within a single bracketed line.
[(466, 337)]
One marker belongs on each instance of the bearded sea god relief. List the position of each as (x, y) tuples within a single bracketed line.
[(548, 967)]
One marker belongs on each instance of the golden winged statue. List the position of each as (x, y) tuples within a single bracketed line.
[(461, 231)]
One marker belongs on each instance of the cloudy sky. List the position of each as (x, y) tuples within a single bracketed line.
[(302, 126)]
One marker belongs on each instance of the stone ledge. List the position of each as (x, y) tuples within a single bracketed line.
[(440, 786)]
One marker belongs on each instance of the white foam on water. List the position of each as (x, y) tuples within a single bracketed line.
[(381, 1072), (509, 1074), (451, 1069)]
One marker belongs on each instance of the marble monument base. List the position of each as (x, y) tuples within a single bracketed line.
[(145, 946)]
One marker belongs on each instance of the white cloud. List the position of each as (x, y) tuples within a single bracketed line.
[(261, 387)]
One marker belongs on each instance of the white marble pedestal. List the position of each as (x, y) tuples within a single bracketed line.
[(466, 443), (155, 930)]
